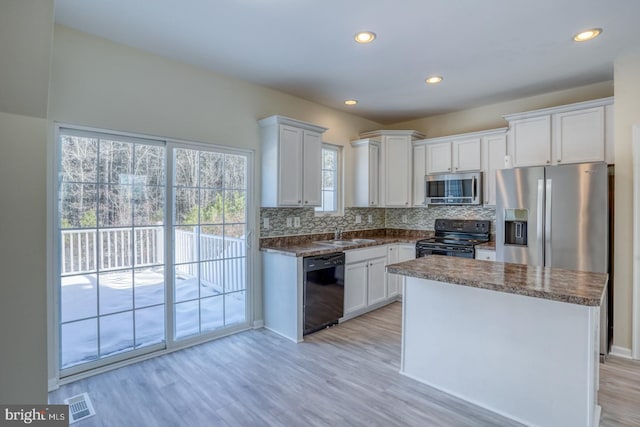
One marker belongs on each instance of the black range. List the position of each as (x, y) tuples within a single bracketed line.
[(455, 237)]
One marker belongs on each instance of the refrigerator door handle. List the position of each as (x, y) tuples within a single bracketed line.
[(547, 224), (540, 222)]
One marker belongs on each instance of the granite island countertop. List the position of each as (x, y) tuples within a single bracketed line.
[(574, 287)]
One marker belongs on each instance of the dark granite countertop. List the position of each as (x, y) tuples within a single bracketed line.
[(301, 246), (574, 287)]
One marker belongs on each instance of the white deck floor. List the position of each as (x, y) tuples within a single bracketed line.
[(130, 316)]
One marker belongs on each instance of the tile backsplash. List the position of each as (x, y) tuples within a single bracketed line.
[(424, 218), (312, 224), (416, 219)]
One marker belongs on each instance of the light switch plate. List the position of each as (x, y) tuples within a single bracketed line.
[(296, 222), (369, 218), (265, 223), (289, 221), (404, 219), (358, 219)]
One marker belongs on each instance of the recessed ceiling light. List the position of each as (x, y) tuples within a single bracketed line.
[(586, 35), (351, 102), (433, 79), (365, 37)]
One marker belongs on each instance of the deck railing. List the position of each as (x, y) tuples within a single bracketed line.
[(222, 259)]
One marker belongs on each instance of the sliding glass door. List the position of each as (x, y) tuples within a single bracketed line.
[(127, 283)]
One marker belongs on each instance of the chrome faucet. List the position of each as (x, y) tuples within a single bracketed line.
[(337, 235)]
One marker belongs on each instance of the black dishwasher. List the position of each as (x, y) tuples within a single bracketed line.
[(323, 291)]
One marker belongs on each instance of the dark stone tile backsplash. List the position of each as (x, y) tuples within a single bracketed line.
[(397, 218)]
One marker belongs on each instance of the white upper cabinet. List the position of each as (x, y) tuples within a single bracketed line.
[(291, 162), (453, 154), (365, 172), (530, 141), (419, 172), (579, 135), (439, 157), (397, 188), (466, 155), (395, 174), (574, 133)]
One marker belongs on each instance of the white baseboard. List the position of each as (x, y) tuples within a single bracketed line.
[(257, 324), (621, 352)]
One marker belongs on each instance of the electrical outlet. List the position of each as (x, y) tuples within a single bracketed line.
[(369, 218), (265, 223), (296, 222), (404, 219), (289, 222), (358, 219)]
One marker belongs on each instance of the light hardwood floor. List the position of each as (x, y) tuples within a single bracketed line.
[(343, 376)]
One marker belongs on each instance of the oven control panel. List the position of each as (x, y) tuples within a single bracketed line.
[(463, 225)]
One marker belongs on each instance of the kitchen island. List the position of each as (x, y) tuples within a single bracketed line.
[(519, 340)]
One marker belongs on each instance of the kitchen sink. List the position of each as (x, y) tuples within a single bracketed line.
[(344, 242)]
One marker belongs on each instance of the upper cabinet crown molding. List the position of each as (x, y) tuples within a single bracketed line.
[(560, 109), (414, 134), (282, 120)]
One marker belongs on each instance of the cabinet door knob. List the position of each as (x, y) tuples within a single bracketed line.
[(300, 201), (306, 201), (548, 161), (448, 169), (559, 160)]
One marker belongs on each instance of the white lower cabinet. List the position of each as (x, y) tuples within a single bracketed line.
[(398, 253), (355, 286), (365, 285), (486, 254)]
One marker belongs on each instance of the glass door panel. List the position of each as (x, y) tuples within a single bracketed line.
[(111, 234), (209, 234)]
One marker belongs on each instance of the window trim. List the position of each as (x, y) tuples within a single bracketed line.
[(339, 182)]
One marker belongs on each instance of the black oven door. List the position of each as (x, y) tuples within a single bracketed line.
[(462, 252)]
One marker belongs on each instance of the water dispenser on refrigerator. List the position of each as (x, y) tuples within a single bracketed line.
[(515, 226)]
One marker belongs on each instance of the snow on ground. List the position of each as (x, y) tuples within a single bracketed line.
[(124, 309)]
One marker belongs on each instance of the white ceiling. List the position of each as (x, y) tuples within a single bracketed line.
[(488, 51)]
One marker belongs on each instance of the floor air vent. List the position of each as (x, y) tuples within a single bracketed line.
[(80, 407)]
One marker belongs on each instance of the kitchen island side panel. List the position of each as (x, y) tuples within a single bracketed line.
[(530, 359)]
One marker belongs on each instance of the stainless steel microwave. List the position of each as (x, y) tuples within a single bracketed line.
[(454, 189)]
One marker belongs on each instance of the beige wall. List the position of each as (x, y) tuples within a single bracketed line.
[(627, 93), (26, 33), (23, 348), (490, 116)]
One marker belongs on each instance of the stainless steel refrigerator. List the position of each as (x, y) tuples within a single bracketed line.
[(555, 216)]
